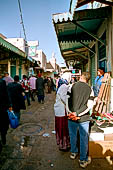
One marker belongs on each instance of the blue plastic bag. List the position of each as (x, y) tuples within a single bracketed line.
[(24, 97), (13, 119)]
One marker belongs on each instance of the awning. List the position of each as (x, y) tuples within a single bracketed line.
[(8, 50), (75, 36), (31, 59), (80, 3)]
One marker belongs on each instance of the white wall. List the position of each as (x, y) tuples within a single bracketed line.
[(42, 59), (18, 42)]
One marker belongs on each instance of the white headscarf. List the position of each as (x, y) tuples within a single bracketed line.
[(66, 76)]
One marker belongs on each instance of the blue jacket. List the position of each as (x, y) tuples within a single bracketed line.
[(97, 85)]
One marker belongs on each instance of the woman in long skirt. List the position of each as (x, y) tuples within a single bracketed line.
[(61, 120)]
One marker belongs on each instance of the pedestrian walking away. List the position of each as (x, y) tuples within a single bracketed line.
[(17, 101), (40, 88), (49, 84), (32, 81)]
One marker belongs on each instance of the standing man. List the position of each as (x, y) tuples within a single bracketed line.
[(32, 81), (40, 88), (80, 102)]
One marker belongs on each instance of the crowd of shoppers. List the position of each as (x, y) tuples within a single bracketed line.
[(15, 94), (74, 100)]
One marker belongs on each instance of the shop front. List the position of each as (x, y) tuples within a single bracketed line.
[(86, 38), (10, 58)]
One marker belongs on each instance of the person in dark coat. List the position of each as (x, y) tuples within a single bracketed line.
[(40, 88), (17, 100), (4, 106)]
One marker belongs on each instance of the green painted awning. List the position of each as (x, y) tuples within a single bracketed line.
[(79, 3), (6, 47), (75, 35)]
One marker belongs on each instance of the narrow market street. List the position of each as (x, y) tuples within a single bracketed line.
[(32, 146)]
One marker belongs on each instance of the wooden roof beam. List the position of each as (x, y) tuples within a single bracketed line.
[(91, 34), (73, 50), (105, 2), (81, 55), (87, 47), (83, 3), (77, 54)]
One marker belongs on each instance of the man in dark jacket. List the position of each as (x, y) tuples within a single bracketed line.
[(81, 101), (4, 105), (40, 88), (17, 101)]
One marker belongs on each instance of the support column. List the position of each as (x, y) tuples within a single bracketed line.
[(89, 65), (17, 67), (108, 45), (112, 43), (89, 62), (96, 57), (9, 67)]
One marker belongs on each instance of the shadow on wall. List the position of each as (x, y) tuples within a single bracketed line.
[(101, 149)]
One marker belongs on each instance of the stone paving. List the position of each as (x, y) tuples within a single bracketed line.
[(32, 146)]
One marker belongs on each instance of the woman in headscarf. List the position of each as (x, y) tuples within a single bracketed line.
[(98, 81), (61, 121)]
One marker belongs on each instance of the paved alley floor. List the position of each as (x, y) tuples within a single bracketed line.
[(32, 146)]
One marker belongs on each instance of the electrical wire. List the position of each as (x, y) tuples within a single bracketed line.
[(22, 20)]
